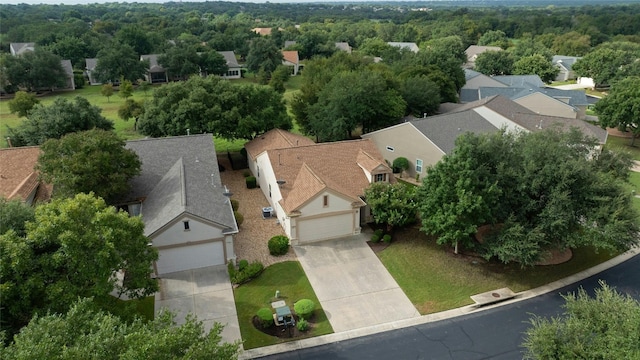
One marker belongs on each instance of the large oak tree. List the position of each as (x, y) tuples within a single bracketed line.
[(215, 106), (539, 191), (72, 249), (91, 161)]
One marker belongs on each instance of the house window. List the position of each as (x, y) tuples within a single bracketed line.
[(390, 148), (380, 177), (325, 200), (419, 166), (186, 225)]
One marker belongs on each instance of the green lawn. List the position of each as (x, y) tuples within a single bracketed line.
[(623, 144), (127, 308), (435, 279), (287, 277), (125, 128)]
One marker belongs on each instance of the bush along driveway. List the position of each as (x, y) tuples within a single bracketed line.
[(292, 284)]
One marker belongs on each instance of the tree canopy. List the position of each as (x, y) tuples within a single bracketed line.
[(215, 106), (494, 63), (538, 191), (34, 70), (90, 161), (600, 327), (62, 117), (13, 216), (119, 61), (85, 332), (72, 249), (538, 65), (621, 108), (22, 103), (263, 56)]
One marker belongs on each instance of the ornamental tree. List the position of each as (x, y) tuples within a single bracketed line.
[(392, 204)]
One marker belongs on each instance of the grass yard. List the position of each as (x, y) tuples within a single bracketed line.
[(287, 277), (622, 144), (125, 128), (142, 307), (435, 279)]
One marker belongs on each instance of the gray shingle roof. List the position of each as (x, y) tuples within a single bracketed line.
[(469, 95), (574, 97), (470, 74), (520, 80), (535, 122), (91, 64), (230, 58), (567, 61), (443, 130), (180, 175)]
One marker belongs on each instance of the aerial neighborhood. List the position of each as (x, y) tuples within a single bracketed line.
[(240, 180)]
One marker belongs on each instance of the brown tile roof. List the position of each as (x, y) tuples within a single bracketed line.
[(262, 31), (275, 139), (335, 166), (291, 56), (18, 178)]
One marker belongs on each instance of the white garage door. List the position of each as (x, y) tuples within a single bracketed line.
[(190, 257), (325, 228)]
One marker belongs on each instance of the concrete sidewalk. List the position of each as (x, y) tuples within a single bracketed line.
[(205, 292), (353, 286)]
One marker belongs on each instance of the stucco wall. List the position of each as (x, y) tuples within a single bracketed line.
[(407, 142), (175, 234)]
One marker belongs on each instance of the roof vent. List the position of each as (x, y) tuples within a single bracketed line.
[(227, 192), (280, 182)]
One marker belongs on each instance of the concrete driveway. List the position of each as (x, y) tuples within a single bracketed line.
[(354, 288), (205, 292)]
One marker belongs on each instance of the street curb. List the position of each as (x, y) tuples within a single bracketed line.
[(400, 324)]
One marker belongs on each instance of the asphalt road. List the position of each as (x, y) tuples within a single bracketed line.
[(492, 334)]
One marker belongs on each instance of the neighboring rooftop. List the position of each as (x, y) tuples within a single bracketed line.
[(566, 61), (291, 56), (230, 58), (179, 175), (154, 66), (275, 139), (343, 46), (405, 45), (18, 177), (21, 48), (520, 80)]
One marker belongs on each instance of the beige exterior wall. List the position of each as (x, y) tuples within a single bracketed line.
[(545, 105), (406, 141), (175, 234)]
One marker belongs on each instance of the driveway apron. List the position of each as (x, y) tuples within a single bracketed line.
[(204, 292), (353, 287)]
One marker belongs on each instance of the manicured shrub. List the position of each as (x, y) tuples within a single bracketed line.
[(379, 232), (302, 325), (235, 204), (304, 308), (231, 269), (249, 272), (251, 182), (246, 173), (386, 238), (278, 245), (266, 317), (400, 164), (375, 238), (242, 265), (239, 218)]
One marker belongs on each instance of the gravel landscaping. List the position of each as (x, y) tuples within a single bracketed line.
[(251, 241)]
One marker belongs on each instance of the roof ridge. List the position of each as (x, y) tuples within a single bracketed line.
[(168, 137), (183, 183)]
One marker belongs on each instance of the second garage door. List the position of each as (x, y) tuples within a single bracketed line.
[(190, 257), (325, 228)]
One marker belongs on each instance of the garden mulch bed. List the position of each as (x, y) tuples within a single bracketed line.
[(282, 332)]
